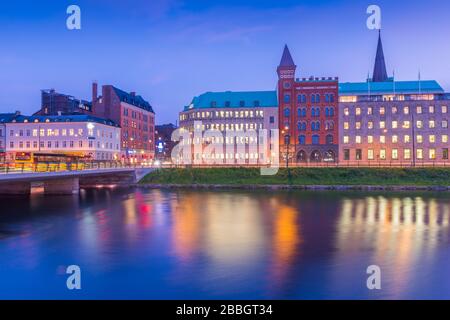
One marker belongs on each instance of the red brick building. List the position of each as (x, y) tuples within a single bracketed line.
[(136, 118), (308, 115)]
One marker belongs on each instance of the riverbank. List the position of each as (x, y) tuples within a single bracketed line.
[(396, 179)]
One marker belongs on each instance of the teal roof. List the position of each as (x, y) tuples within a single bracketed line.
[(389, 87), (229, 99)]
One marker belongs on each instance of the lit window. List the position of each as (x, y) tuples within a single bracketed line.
[(431, 124), (370, 154), (445, 138), (432, 138), (382, 110), (394, 154), (419, 154), (419, 124), (369, 111), (382, 124), (382, 139), (394, 110), (394, 139), (419, 110), (346, 112), (358, 139), (369, 139), (394, 124), (432, 154), (407, 154), (346, 139), (358, 125), (383, 154), (444, 124), (419, 139), (358, 111), (370, 125), (406, 124), (444, 109), (406, 110), (407, 139), (431, 109), (346, 126)]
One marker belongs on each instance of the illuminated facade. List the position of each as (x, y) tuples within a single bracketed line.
[(4, 118), (393, 123), (134, 115), (80, 137), (232, 113), (308, 115)]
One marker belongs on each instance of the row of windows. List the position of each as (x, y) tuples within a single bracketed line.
[(58, 144), (395, 154), (315, 139), (223, 114), (315, 112), (396, 124), (395, 139), (58, 132), (395, 110), (313, 125), (136, 115), (313, 98)]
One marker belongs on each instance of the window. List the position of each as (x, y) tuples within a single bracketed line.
[(419, 110), (329, 139), (346, 126), (444, 109), (406, 110), (444, 138), (394, 154), (301, 139), (407, 154), (383, 154), (406, 124), (346, 112), (369, 139), (444, 124), (287, 112), (419, 139), (358, 125), (419, 154), (394, 139), (382, 111), (445, 154), (432, 154), (382, 124), (315, 139), (346, 139), (432, 138), (358, 139), (358, 111), (419, 124), (272, 119), (382, 139), (370, 154), (431, 109), (346, 154), (406, 139), (369, 111), (370, 125), (431, 124), (287, 98), (358, 154), (394, 124)]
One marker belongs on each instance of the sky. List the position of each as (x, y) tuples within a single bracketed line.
[(169, 51)]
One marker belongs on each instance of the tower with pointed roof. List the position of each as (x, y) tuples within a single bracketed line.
[(379, 70), (287, 67)]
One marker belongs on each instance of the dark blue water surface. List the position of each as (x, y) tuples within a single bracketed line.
[(158, 244)]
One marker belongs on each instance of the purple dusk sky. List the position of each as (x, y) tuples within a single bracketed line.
[(171, 50)]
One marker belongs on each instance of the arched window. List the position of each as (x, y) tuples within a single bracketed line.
[(317, 98), (313, 98), (301, 139), (315, 156), (313, 112), (327, 112), (330, 156), (317, 112), (304, 112), (331, 112), (329, 139), (287, 98), (299, 112), (315, 139), (287, 112), (301, 156)]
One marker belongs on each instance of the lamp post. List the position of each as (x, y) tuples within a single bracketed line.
[(287, 142)]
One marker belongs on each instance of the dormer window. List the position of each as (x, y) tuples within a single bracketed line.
[(227, 104), (242, 104), (213, 104), (256, 103)]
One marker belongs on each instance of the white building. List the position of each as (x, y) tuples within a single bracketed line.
[(4, 118), (61, 138)]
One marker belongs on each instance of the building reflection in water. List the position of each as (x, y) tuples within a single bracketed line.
[(401, 235)]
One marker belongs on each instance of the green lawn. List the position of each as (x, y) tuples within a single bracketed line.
[(304, 176)]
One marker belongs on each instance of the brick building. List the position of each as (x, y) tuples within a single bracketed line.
[(136, 118), (54, 103), (308, 115)]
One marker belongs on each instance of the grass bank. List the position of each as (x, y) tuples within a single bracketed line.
[(303, 176)]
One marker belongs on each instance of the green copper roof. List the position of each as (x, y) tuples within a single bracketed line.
[(389, 87), (229, 99)]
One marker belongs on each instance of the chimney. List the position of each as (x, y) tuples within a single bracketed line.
[(94, 91)]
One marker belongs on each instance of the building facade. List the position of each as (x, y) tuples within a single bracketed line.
[(308, 115), (163, 142), (384, 122), (61, 138), (54, 103), (136, 118), (238, 117), (4, 118)]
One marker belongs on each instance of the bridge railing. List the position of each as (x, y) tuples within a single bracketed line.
[(14, 167)]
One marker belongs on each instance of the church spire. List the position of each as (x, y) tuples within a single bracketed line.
[(286, 59), (379, 71)]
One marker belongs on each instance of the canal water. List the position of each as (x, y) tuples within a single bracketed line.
[(161, 244)]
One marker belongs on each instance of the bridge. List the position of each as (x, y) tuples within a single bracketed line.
[(69, 181)]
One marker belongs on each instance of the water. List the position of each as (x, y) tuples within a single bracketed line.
[(157, 244)]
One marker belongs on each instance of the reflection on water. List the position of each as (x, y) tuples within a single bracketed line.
[(251, 245)]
